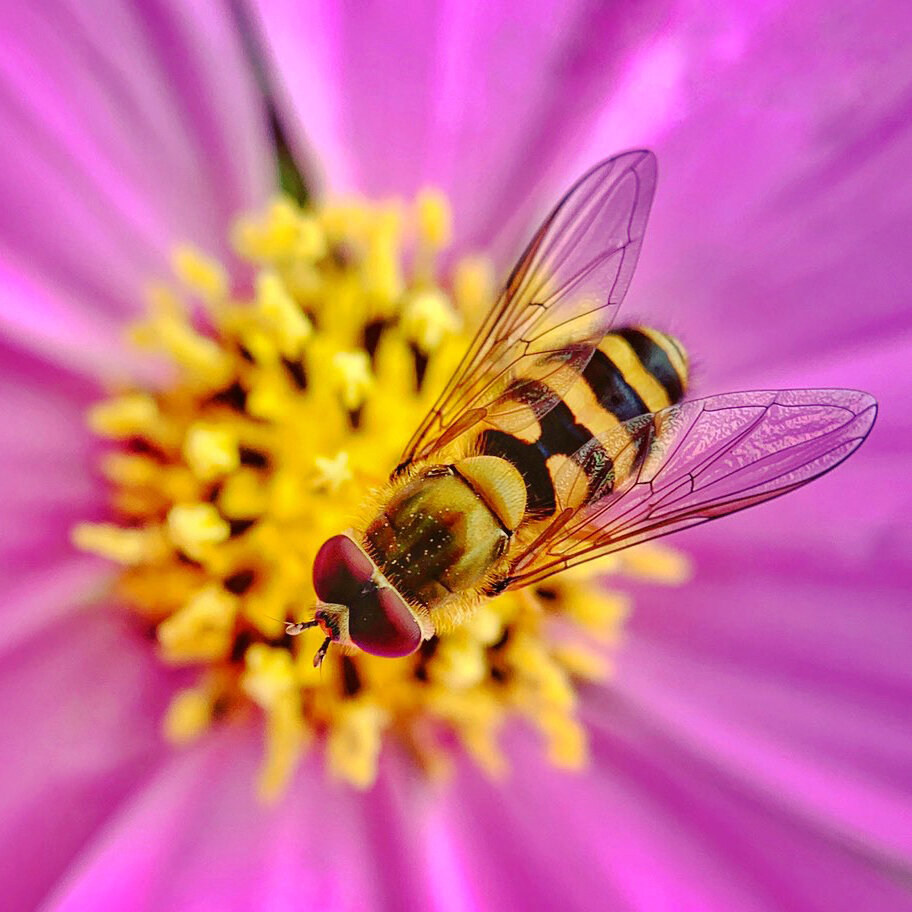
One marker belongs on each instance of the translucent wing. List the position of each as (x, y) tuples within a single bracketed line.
[(558, 303), (688, 464)]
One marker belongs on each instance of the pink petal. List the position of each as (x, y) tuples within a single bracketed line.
[(649, 826), (859, 513), (47, 483), (482, 100), (122, 130), (79, 703), (677, 832), (196, 837), (43, 594), (791, 677), (782, 216)]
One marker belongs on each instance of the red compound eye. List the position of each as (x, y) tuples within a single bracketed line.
[(381, 623), (341, 570)]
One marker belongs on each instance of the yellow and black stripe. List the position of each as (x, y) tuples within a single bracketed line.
[(633, 372)]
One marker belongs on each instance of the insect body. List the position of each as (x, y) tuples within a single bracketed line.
[(632, 372), (559, 440)]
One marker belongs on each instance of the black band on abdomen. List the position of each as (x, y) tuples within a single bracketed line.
[(653, 357), (610, 388)]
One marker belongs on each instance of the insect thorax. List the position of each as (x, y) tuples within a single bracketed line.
[(436, 537)]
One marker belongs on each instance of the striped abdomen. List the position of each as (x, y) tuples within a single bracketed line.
[(633, 372)]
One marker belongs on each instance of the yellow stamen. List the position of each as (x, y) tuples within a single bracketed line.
[(243, 495), (124, 416), (486, 625), (460, 662), (286, 738), (269, 396), (201, 630), (287, 406), (271, 237), (435, 219), (126, 546), (269, 674), (352, 377), (658, 563), (582, 662), (333, 473), (428, 318), (383, 281), (542, 681), (310, 243), (194, 526), (130, 470), (473, 288), (567, 742), (353, 745), (211, 451), (288, 322), (200, 273), (188, 715), (199, 354)]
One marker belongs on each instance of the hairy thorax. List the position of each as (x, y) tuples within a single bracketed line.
[(442, 533)]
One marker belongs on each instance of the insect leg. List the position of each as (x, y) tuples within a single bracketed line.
[(321, 652), (293, 629)]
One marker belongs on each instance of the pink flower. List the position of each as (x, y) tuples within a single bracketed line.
[(753, 750)]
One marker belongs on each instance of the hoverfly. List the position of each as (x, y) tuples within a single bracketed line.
[(558, 441)]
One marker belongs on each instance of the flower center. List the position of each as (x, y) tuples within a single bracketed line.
[(289, 397)]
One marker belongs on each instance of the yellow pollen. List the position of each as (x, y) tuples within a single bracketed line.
[(288, 404), (200, 273), (210, 451), (126, 546), (382, 275), (333, 473), (188, 716), (270, 237), (286, 737), (269, 674), (124, 416), (186, 346), (473, 288), (428, 318), (460, 662), (201, 630), (194, 526), (435, 220), (354, 742), (277, 306), (352, 377), (657, 562)]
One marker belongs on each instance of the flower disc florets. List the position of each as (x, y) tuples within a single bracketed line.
[(287, 402)]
